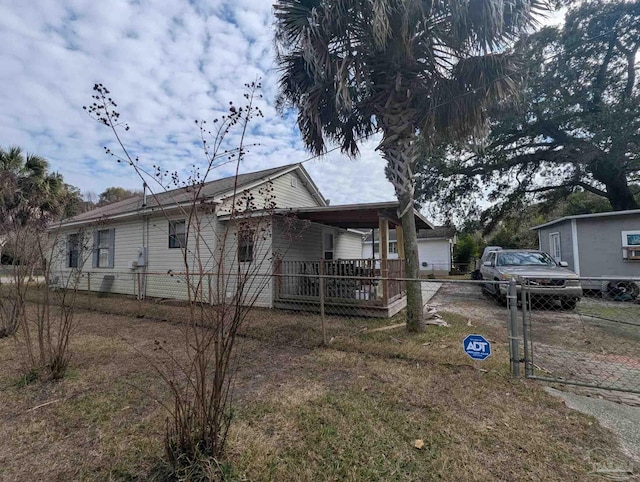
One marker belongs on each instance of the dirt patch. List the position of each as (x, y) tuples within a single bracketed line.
[(469, 301)]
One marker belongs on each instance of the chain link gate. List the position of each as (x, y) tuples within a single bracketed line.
[(593, 343)]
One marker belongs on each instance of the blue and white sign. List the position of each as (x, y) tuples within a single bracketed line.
[(477, 347)]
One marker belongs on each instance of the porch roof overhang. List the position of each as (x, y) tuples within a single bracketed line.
[(355, 216)]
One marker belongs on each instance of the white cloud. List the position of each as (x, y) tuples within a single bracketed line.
[(167, 64)]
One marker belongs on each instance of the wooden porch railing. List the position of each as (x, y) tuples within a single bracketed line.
[(344, 279), (396, 270)]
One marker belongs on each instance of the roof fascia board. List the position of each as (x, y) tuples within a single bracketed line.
[(587, 216), (308, 179)]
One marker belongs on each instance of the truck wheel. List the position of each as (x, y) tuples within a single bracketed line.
[(623, 289), (500, 299), (568, 304)]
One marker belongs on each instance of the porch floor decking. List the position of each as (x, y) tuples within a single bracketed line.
[(355, 307)]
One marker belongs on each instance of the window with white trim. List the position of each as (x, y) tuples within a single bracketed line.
[(631, 245), (554, 247), (104, 248), (246, 245), (178, 234)]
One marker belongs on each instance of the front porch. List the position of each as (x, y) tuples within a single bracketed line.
[(353, 287), (370, 287)]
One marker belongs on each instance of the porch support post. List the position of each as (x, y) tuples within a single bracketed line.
[(278, 280), (322, 316), (383, 224)]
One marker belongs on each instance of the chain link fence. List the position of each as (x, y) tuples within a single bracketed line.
[(583, 332), (313, 293), (587, 334)]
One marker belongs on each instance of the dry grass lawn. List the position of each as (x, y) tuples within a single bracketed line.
[(348, 412)]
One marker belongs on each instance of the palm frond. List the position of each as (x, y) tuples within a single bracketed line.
[(344, 62)]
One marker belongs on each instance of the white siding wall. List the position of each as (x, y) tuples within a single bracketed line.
[(162, 262), (303, 241), (367, 252), (285, 195), (260, 286), (299, 241), (288, 196), (128, 237), (348, 245), (436, 253)]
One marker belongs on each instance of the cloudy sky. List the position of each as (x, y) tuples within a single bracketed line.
[(166, 63)]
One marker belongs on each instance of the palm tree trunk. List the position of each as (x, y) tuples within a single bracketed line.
[(398, 148), (415, 318)]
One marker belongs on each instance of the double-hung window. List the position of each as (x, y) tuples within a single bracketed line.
[(245, 245), (104, 248), (73, 251), (178, 234)]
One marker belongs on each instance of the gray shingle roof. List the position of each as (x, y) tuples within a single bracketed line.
[(209, 190)]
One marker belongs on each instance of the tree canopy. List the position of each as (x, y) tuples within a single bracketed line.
[(574, 127), (29, 192), (115, 194)]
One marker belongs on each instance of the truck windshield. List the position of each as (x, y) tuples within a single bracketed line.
[(525, 258)]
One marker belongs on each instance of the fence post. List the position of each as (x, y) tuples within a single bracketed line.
[(514, 342), (322, 317), (278, 280), (526, 326), (89, 284)]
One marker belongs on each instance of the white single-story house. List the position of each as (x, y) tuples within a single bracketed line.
[(138, 246), (600, 245), (435, 248)]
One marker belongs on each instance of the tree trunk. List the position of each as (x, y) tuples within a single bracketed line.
[(620, 195), (398, 148), (613, 176), (415, 311)]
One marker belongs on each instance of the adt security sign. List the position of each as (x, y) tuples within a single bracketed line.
[(477, 347)]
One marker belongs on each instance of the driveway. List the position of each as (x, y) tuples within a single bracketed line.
[(574, 345), (623, 420)]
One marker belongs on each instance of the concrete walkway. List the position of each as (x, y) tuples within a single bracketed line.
[(623, 420), (429, 290)]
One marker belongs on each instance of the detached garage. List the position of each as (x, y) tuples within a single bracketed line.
[(435, 248)]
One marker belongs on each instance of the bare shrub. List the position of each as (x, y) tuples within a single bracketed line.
[(226, 262), (56, 305)]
